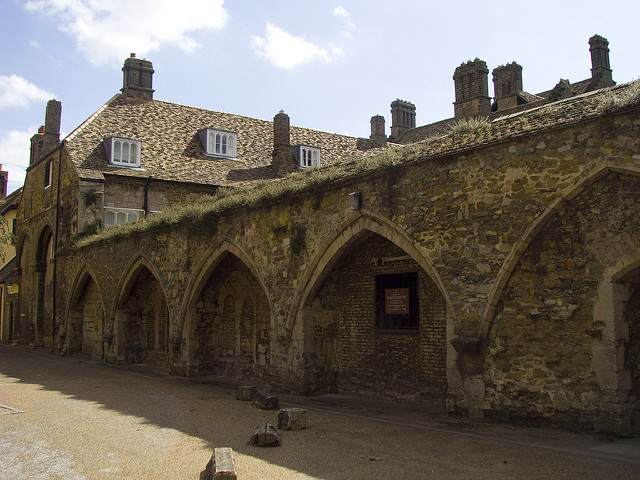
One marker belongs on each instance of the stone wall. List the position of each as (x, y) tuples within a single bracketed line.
[(526, 248)]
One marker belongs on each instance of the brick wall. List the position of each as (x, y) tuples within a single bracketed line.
[(411, 363)]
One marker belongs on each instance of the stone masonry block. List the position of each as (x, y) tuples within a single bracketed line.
[(221, 466), (292, 418), (246, 393), (266, 402), (265, 435)]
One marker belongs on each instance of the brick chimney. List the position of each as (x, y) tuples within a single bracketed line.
[(137, 79), (507, 83), (48, 136), (403, 117), (472, 90), (378, 130), (601, 75), (4, 177), (283, 160)]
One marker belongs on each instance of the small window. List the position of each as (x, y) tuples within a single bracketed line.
[(219, 143), (307, 156), (124, 152), (48, 174), (119, 216), (397, 301)]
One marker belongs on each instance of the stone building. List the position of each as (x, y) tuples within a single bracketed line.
[(8, 275), (132, 159), (491, 266)]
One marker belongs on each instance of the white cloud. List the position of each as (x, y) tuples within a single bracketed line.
[(15, 146), (16, 92), (34, 44), (287, 51), (340, 11), (106, 31)]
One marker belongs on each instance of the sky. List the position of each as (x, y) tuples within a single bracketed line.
[(330, 65)]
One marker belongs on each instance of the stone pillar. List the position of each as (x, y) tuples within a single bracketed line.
[(472, 90)]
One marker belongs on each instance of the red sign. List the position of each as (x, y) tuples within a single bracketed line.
[(396, 301)]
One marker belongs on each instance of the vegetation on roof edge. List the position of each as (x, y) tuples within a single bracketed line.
[(464, 134)]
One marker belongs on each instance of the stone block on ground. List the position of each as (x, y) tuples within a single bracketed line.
[(246, 393), (221, 466), (265, 435), (292, 418), (266, 402)]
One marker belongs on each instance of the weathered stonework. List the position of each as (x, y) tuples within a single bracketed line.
[(527, 247)]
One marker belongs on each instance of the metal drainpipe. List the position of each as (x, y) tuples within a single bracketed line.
[(55, 247), (145, 206)]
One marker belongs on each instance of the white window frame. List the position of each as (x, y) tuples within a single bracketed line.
[(221, 143), (309, 156), (124, 151), (127, 214)]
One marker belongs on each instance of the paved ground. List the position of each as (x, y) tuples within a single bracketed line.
[(72, 419)]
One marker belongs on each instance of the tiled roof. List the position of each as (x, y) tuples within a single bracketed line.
[(172, 150), (436, 129)]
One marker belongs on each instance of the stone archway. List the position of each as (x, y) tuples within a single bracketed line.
[(556, 347), (376, 321), (43, 321), (229, 329), (85, 319), (142, 318), (617, 360)]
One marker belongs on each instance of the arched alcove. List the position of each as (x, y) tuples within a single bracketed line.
[(85, 319), (142, 317), (229, 326), (375, 321)]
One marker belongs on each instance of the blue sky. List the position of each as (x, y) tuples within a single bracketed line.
[(329, 65)]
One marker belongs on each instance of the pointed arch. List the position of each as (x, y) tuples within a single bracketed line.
[(348, 232), (43, 250), (225, 321), (84, 316), (141, 321), (129, 275), (44, 316), (538, 225), (210, 261), (340, 327)]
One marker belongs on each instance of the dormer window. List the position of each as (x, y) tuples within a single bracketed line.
[(123, 151), (219, 143), (307, 156)]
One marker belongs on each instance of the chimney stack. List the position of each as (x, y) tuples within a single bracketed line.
[(472, 90), (403, 117), (48, 136), (137, 79), (601, 75), (507, 83), (378, 130), (283, 160), (4, 177)]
